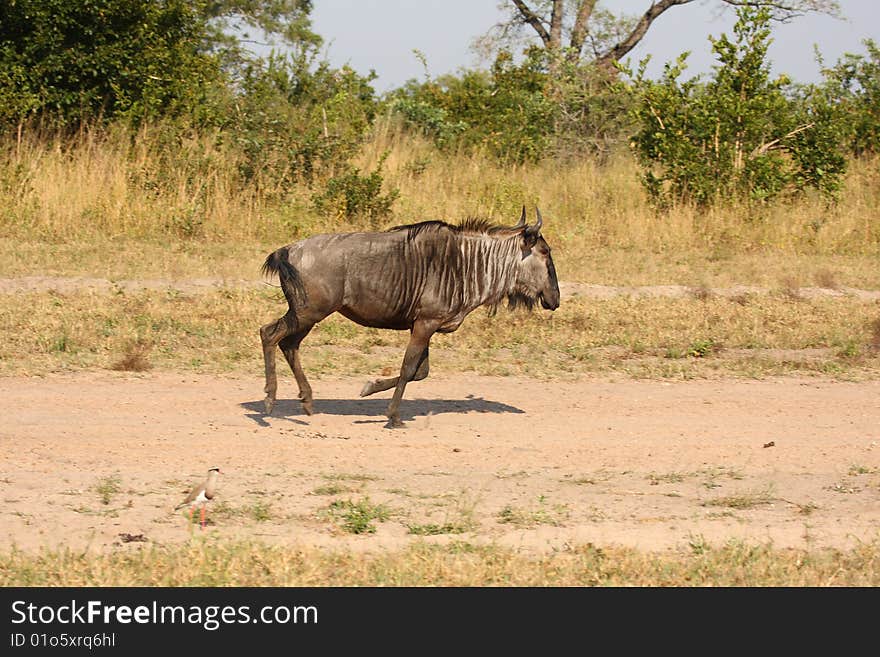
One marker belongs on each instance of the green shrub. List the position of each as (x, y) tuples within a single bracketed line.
[(296, 120), (351, 195), (739, 135), (517, 112), (854, 85), (73, 60)]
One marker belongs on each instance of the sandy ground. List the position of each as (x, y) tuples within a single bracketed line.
[(648, 464)]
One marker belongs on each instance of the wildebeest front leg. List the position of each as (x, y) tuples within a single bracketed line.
[(412, 358), (372, 387)]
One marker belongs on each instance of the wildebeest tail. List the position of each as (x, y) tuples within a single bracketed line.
[(291, 282)]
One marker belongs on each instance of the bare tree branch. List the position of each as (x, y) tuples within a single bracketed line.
[(534, 20), (785, 11), (771, 145), (622, 48), (551, 31)]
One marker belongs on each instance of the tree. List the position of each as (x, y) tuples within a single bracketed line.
[(73, 60), (573, 27), (741, 134), (853, 84)]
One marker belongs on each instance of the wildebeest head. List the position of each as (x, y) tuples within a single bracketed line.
[(536, 274)]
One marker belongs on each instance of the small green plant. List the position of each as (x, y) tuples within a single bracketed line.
[(743, 501), (702, 348), (62, 344), (352, 195), (849, 350), (357, 517), (332, 489), (107, 488), (350, 477), (580, 481), (260, 511), (806, 509), (667, 478), (530, 517), (698, 544), (433, 529), (674, 353)]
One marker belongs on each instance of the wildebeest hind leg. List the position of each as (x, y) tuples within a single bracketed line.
[(372, 387), (270, 335), (290, 349)]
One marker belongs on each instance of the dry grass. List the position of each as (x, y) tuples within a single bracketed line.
[(207, 563), (135, 358), (874, 327), (636, 336), (64, 207), (827, 279)]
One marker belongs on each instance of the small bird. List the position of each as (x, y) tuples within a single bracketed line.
[(200, 496)]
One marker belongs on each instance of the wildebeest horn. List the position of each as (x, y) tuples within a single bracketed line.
[(522, 219), (534, 230)]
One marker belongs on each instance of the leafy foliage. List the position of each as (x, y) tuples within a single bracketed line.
[(352, 195), (296, 120), (854, 85), (78, 59), (739, 135), (517, 112), (504, 111)]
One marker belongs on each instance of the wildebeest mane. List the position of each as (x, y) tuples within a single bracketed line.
[(470, 226)]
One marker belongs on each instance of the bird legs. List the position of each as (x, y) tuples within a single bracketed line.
[(202, 524)]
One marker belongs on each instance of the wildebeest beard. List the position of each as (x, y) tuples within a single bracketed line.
[(515, 300)]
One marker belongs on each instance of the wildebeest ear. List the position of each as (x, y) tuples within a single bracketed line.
[(529, 239)]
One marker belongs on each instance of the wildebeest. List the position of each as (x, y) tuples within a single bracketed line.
[(424, 277)]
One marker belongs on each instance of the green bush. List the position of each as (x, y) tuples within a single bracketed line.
[(543, 106), (351, 195), (296, 120), (739, 135), (74, 60), (854, 85), (503, 112)]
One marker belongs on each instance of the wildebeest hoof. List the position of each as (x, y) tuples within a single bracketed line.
[(269, 403), (367, 389), (394, 423), (308, 408)]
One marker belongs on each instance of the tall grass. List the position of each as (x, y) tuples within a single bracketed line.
[(161, 185)]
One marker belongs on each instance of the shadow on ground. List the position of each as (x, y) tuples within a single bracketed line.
[(409, 408)]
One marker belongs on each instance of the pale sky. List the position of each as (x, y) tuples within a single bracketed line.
[(381, 35)]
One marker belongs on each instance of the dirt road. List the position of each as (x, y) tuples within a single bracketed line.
[(87, 457)]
